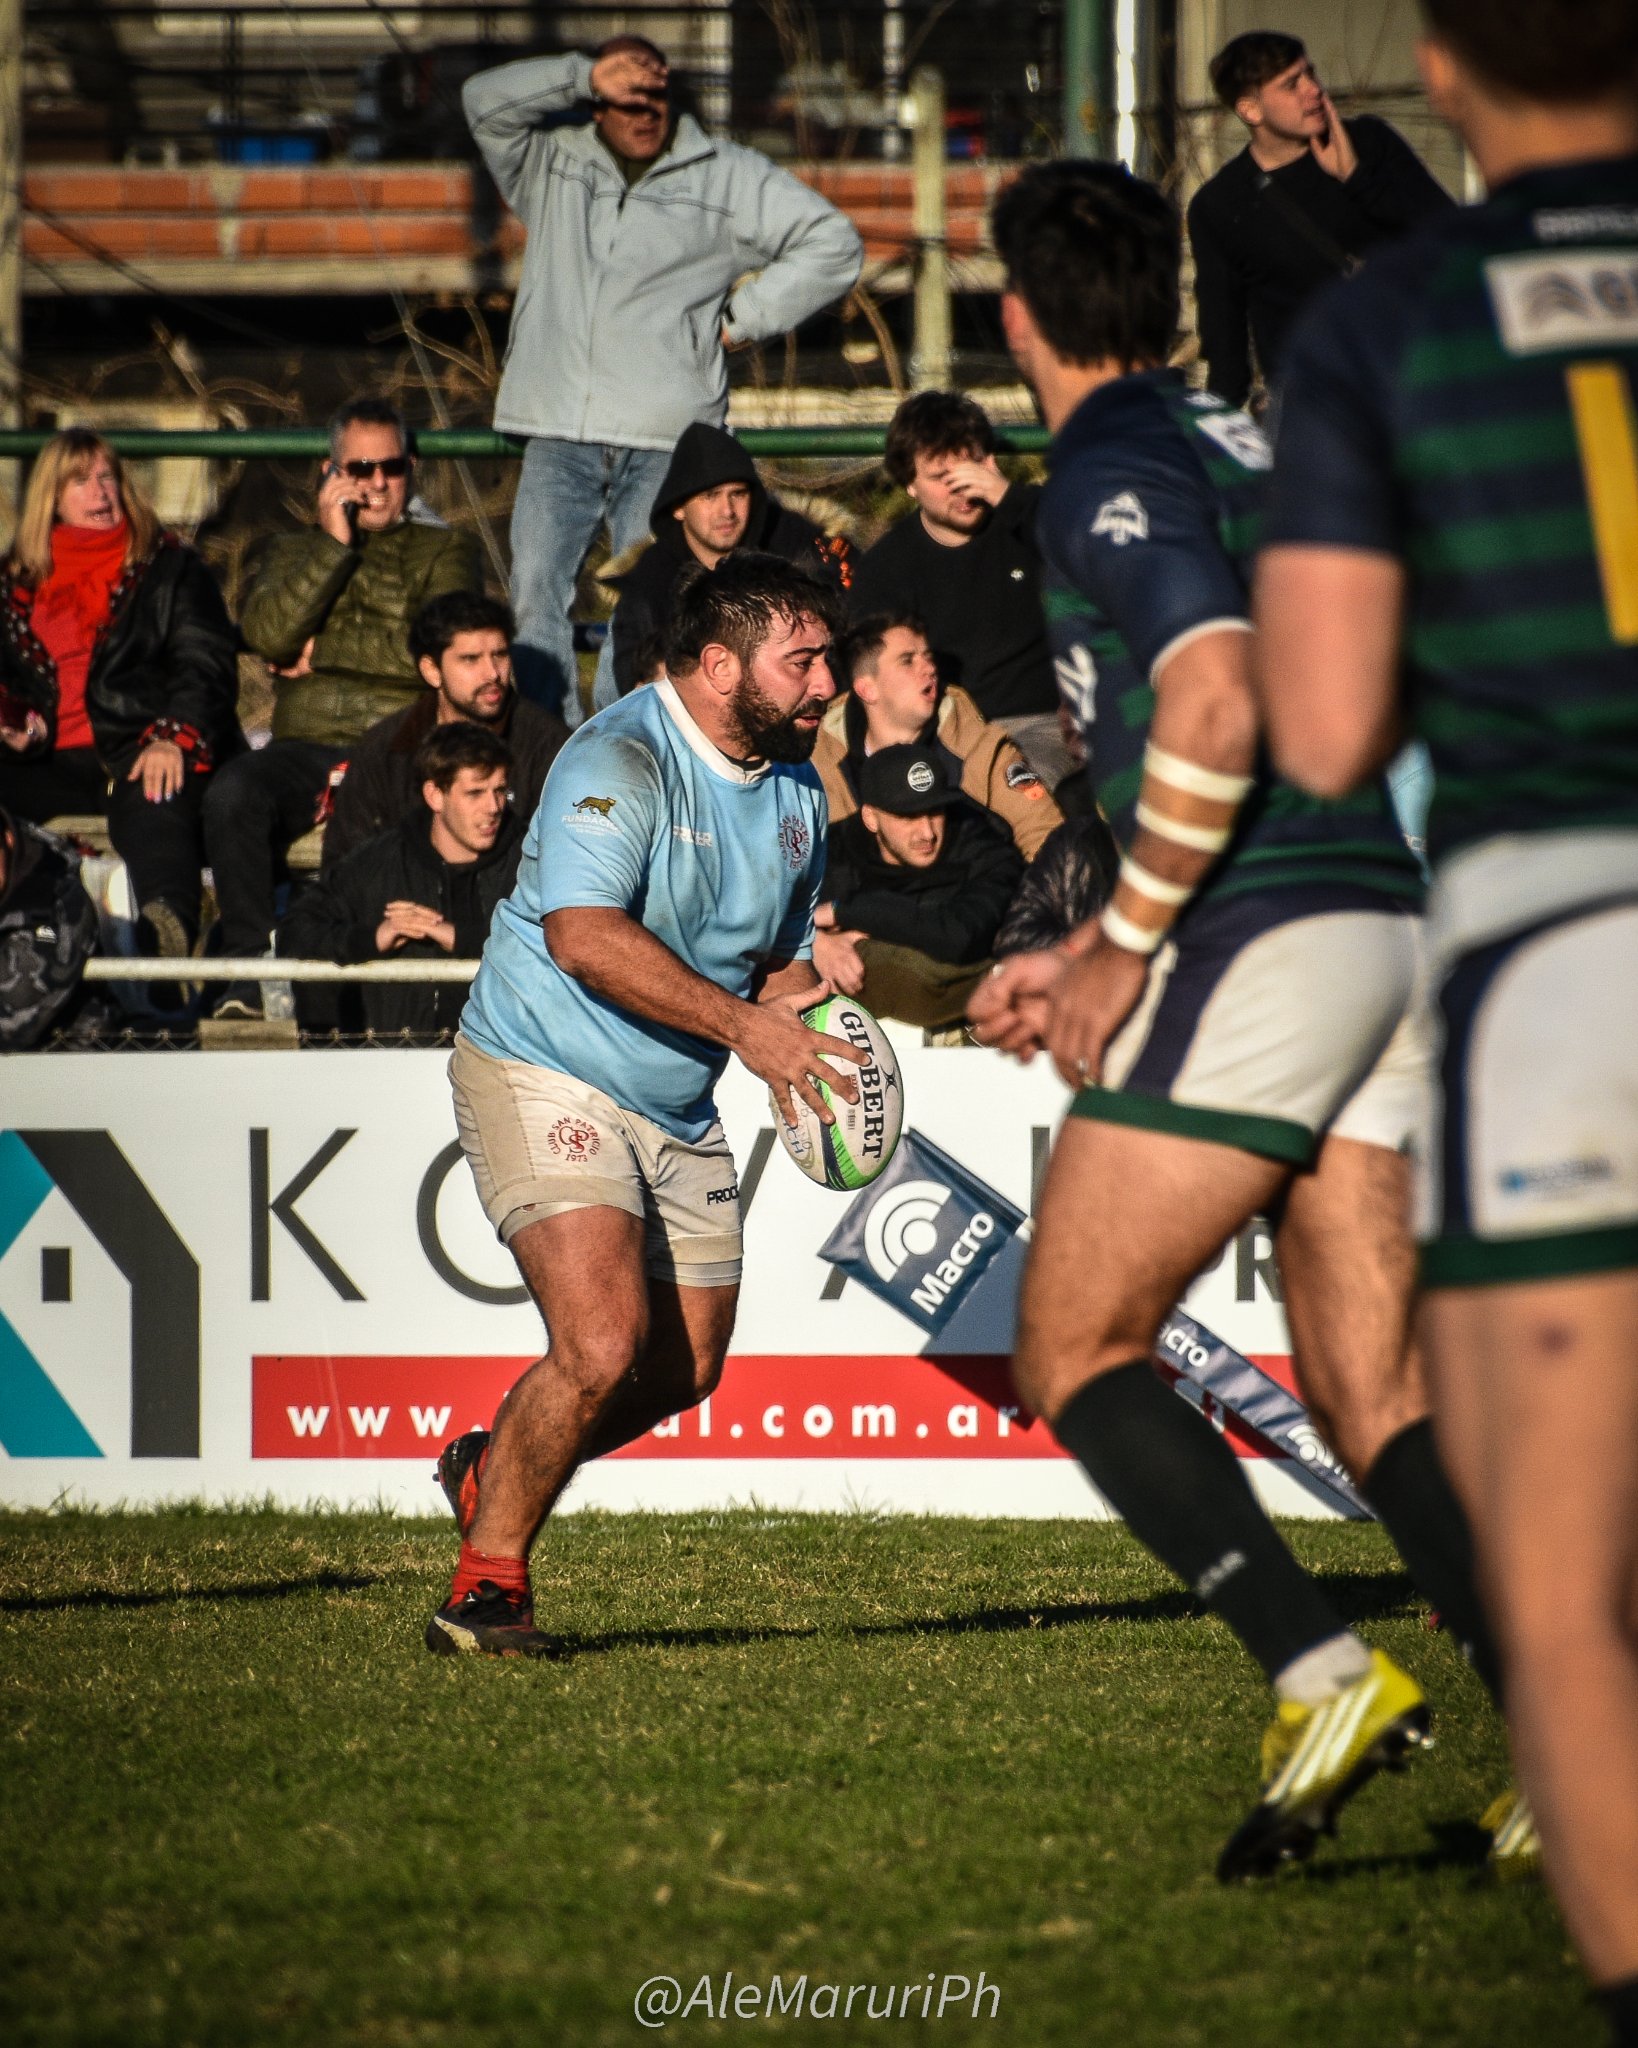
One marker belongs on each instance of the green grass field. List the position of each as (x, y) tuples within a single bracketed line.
[(244, 1805)]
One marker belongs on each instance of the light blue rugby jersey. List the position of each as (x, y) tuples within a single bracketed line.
[(721, 863)]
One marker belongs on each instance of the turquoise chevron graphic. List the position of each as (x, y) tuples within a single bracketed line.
[(35, 1420)]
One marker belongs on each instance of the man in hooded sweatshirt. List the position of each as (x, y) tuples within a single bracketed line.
[(710, 502)]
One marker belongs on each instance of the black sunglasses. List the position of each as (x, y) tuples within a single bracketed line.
[(361, 472)]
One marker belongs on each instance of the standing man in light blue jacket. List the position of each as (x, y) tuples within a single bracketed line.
[(652, 248)]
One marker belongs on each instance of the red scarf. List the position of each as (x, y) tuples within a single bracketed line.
[(70, 610)]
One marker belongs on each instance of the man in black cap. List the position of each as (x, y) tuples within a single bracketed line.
[(711, 502), (918, 882)]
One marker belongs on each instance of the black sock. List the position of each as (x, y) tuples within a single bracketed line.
[(1418, 1508), (1620, 2004), (1160, 1464)]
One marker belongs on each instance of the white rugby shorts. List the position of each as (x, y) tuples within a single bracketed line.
[(541, 1143), (1266, 1031)]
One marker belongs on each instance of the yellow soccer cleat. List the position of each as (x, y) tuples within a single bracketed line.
[(1515, 1847), (1316, 1758)]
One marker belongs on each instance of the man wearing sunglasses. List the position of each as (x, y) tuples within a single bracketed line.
[(329, 612)]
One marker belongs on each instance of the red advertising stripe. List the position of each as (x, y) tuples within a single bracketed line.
[(766, 1407)]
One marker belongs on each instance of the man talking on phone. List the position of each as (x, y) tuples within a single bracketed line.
[(329, 611)]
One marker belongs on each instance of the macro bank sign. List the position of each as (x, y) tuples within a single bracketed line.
[(88, 1168)]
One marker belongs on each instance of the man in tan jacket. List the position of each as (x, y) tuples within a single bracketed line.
[(894, 699)]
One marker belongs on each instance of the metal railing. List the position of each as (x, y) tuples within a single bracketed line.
[(136, 967), (239, 444)]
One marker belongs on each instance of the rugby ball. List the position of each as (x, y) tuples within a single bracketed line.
[(852, 1151)]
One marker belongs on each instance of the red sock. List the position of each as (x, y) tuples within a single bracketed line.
[(511, 1574)]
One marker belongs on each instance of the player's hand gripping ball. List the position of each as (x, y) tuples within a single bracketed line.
[(852, 1151)]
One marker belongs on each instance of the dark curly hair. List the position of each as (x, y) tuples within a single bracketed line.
[(1094, 254)]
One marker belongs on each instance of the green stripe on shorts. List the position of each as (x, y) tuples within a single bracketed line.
[(1268, 1137), (1560, 1255)]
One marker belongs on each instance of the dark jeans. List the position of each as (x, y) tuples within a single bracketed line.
[(257, 806), (162, 844)]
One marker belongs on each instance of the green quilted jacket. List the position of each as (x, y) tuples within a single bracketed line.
[(355, 604)]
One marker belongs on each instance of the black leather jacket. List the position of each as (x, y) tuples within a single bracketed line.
[(165, 665)]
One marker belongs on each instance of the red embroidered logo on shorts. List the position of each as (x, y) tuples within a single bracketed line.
[(794, 840), (573, 1140)]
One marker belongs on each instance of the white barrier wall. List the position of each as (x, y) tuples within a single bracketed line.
[(235, 1276)]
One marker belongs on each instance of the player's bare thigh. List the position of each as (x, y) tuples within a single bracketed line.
[(585, 1270), (1348, 1271), (1125, 1221)]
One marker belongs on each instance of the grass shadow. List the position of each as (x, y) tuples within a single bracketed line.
[(259, 1589), (1456, 1844)]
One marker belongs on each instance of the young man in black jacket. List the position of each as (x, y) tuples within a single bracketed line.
[(1300, 204), (711, 502), (966, 564), (918, 882), (462, 644), (426, 889)]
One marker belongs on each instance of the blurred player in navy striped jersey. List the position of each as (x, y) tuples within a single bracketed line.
[(1452, 542), (1234, 1021)]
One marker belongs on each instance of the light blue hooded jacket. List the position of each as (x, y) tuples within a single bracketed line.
[(616, 333)]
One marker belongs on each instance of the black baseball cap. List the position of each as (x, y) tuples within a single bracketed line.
[(905, 781)]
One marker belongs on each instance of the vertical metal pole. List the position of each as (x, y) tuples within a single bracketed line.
[(930, 355), (892, 79), (1086, 71), (11, 243), (715, 44)]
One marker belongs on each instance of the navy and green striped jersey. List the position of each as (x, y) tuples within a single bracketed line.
[(1466, 403), (1146, 529)]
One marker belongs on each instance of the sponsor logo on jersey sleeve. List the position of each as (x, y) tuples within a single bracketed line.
[(1237, 434), (592, 814), (1570, 299), (1122, 518)]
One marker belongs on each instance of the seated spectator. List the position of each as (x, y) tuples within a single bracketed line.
[(918, 883), (462, 644), (710, 502), (118, 677), (427, 889), (893, 698), (966, 564), (1068, 882), (48, 930), (329, 610)]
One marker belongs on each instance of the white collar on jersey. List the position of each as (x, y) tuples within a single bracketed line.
[(709, 752)]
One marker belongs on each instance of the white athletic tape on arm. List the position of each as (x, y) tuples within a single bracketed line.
[(1192, 779), (1135, 938), (1200, 838), (1138, 877)]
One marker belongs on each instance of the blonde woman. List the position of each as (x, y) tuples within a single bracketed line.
[(118, 675)]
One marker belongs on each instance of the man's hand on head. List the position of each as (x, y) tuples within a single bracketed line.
[(625, 77), (979, 478), (1334, 150)]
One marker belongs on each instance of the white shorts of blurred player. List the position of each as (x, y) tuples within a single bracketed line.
[(1276, 1019), (1529, 1167), (541, 1143)]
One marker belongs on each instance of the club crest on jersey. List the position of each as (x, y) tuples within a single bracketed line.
[(1122, 518), (574, 1140), (794, 840)]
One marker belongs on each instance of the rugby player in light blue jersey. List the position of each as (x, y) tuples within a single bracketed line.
[(1452, 544), (662, 919)]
